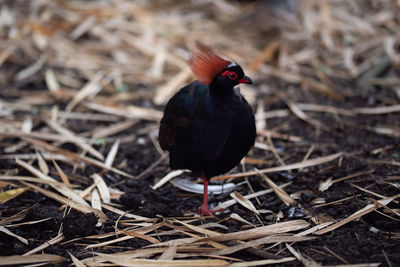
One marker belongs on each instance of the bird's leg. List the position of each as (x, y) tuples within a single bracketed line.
[(205, 211), (204, 207)]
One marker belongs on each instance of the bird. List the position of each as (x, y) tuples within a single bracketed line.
[(208, 126)]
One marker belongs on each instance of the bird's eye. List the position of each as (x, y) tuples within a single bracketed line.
[(232, 76)]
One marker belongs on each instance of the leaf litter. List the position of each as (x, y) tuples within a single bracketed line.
[(82, 90)]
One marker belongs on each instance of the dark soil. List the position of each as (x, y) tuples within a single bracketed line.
[(372, 239)]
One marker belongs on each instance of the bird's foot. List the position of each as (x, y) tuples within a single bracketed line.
[(205, 211)]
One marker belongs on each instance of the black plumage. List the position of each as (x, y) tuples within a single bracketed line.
[(209, 128)]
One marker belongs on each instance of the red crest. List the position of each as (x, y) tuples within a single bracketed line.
[(205, 64)]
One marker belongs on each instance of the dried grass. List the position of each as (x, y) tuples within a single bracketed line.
[(115, 62)]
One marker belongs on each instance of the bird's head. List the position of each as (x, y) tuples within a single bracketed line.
[(211, 69), (232, 75)]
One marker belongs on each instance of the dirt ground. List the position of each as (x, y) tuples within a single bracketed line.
[(371, 239), (296, 124)]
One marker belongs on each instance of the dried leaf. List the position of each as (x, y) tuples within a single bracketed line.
[(278, 190), (8, 232), (76, 205), (103, 188), (40, 258), (95, 200), (90, 89), (231, 202), (51, 82), (53, 241), (10, 194), (167, 178), (113, 152), (42, 164), (132, 112), (367, 209), (61, 173), (261, 241), (169, 254), (299, 165), (237, 217), (63, 189), (306, 261), (75, 261), (262, 231), (262, 262), (127, 261), (323, 186), (244, 202)]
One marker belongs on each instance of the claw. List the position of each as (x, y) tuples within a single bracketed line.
[(205, 211)]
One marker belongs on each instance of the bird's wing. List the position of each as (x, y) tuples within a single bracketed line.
[(188, 127), (177, 117)]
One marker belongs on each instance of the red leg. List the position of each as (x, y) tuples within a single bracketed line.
[(205, 211), (204, 207)]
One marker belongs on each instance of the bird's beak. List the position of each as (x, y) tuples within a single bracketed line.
[(246, 80)]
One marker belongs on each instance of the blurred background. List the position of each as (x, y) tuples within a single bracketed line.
[(138, 50)]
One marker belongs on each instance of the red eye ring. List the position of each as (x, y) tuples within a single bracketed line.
[(232, 75)]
